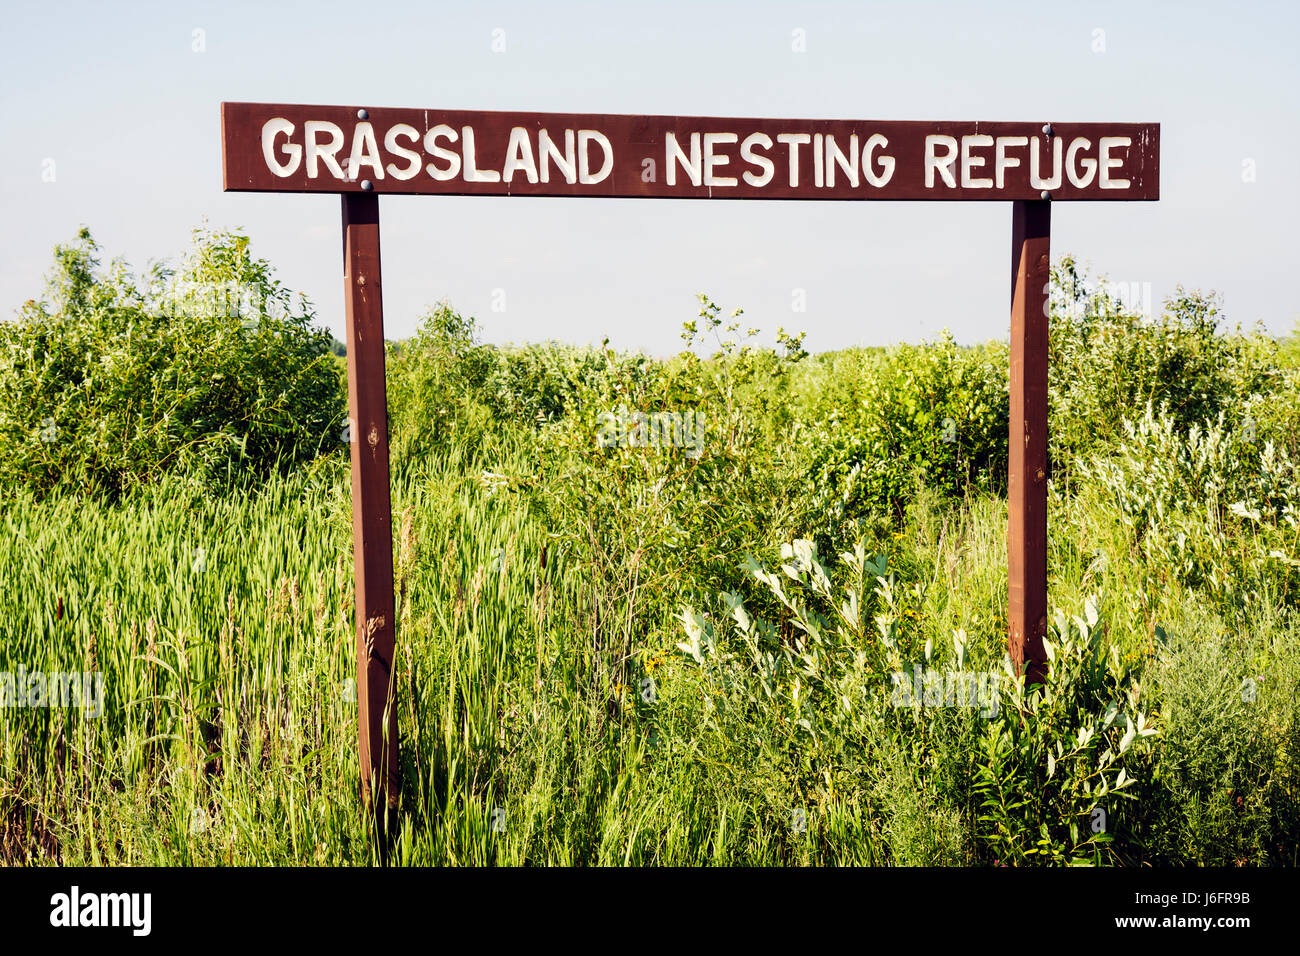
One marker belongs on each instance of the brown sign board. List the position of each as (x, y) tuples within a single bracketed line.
[(339, 149)]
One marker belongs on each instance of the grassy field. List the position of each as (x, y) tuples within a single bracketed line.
[(626, 652)]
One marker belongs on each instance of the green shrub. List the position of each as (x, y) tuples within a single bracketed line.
[(211, 372), (1107, 362), (821, 704), (934, 415), (444, 384), (1211, 507), (434, 379)]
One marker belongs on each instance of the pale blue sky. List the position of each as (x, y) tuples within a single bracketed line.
[(115, 95)]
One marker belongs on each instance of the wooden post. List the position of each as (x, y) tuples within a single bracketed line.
[(372, 539), (1027, 458)]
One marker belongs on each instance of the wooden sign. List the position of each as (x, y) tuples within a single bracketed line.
[(458, 152), (361, 153)]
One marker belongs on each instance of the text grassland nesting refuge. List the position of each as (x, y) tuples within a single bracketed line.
[(281, 148)]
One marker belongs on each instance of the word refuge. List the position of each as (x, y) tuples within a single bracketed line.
[(332, 149)]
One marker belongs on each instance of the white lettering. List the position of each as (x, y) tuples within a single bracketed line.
[(270, 130), (449, 157), (585, 138), (849, 163), (762, 162), (793, 141), (886, 162), (711, 160), (1105, 144), (674, 155), (943, 164), (519, 156), (563, 161), (411, 156), (1001, 161), (969, 162), (1088, 163), (472, 173), (365, 151), (316, 152)]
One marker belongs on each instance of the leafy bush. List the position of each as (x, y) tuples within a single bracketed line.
[(1211, 507), (540, 383), (434, 381), (1107, 361), (212, 372), (444, 384), (1053, 773), (812, 706), (935, 415)]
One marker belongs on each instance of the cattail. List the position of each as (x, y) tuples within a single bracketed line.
[(479, 576), (406, 550), (345, 595), (449, 561), (320, 600), (459, 606)]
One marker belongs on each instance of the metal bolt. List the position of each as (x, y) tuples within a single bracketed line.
[(1044, 195), (362, 114), (367, 185), (1047, 129)]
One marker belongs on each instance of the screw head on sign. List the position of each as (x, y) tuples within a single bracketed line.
[(1047, 129), (362, 114), (1044, 195), (367, 185)]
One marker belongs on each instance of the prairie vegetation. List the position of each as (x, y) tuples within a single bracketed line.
[(628, 652)]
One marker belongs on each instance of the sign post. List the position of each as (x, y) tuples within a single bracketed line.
[(372, 535), (347, 151), (1031, 223)]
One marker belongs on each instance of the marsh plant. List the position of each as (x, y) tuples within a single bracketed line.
[(627, 655)]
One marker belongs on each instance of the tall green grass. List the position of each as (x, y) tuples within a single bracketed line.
[(229, 733)]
